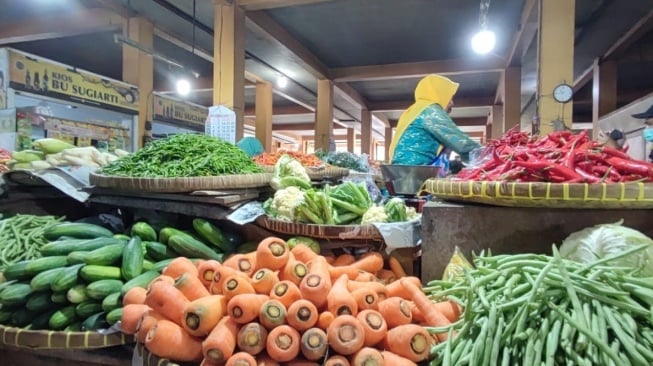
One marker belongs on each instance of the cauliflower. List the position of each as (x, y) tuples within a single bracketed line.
[(282, 205), (374, 214), (290, 172), (411, 213)]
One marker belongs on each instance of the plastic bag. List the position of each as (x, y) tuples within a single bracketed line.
[(372, 188), (455, 269)]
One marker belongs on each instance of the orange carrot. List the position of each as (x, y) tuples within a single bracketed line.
[(207, 362), (294, 271), (301, 362), (314, 344), (365, 298), (386, 276), (161, 278), (396, 267), (241, 359), (251, 338), (324, 320), (410, 341), (374, 326), (220, 275), (191, 286), (131, 315), (302, 314), (303, 253), (135, 295), (179, 266), (344, 260), (272, 253), (283, 343), (206, 270), (237, 284), (371, 262), (317, 282), (367, 356), (396, 360), (339, 300), (147, 321), (168, 340), (337, 360), (286, 292), (351, 272), (244, 308), (433, 317), (330, 258), (377, 287), (263, 280), (242, 263), (221, 342), (346, 335), (272, 314), (416, 314), (203, 314), (366, 277), (397, 289), (198, 263), (395, 311), (449, 308), (264, 360), (167, 301)]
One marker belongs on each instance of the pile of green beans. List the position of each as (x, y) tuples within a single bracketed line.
[(529, 309), (21, 237), (184, 155)]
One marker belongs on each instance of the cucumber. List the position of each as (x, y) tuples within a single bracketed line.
[(76, 258), (42, 320), (64, 247), (87, 308), (111, 302), (122, 237), (16, 271), (77, 230), (59, 297), (92, 273), (167, 232), (22, 317), (5, 316), (232, 238), (132, 259), (107, 255), (98, 290), (95, 322), (161, 265), (66, 279), (43, 264), (74, 327), (43, 280), (62, 318), (15, 294), (141, 281), (158, 251), (247, 248), (77, 294), (144, 231), (147, 265), (114, 316), (192, 248), (213, 235), (39, 301)]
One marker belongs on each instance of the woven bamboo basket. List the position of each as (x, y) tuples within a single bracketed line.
[(549, 195), (150, 359), (48, 339), (341, 232), (181, 185)]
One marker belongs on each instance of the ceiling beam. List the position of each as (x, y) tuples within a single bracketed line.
[(418, 69), (68, 24), (400, 105), (201, 83), (336, 137), (524, 35), (467, 121), (349, 93), (280, 110), (250, 5), (293, 126), (583, 78), (382, 117)]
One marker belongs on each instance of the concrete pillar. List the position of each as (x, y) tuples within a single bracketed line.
[(604, 91), (498, 121), (263, 109), (324, 115), (386, 144), (351, 139), (511, 114), (366, 132)]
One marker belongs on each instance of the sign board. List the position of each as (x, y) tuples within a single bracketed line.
[(41, 76), (221, 123), (180, 113)]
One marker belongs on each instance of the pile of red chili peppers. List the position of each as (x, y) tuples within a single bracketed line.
[(560, 157)]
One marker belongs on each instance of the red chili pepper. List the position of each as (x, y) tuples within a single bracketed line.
[(557, 169), (614, 152), (587, 177), (631, 167)]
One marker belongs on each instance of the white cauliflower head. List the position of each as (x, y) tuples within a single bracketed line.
[(284, 203), (374, 214)]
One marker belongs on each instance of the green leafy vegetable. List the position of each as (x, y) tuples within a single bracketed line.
[(395, 209), (289, 172)]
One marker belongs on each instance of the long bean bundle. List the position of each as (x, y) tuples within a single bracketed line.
[(184, 155), (21, 237), (539, 310)]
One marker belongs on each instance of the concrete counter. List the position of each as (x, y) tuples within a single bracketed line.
[(507, 229)]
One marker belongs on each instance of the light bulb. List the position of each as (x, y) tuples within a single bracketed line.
[(483, 42), (282, 81), (183, 87)]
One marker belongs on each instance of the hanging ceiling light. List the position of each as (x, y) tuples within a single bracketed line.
[(484, 41), (282, 81), (183, 86)]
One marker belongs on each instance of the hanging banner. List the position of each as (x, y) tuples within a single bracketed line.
[(41, 76), (4, 77), (180, 113)]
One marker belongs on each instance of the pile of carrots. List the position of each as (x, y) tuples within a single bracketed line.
[(277, 305), (307, 160)]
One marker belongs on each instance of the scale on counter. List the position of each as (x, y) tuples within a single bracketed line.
[(405, 181)]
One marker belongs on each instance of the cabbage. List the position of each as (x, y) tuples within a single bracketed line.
[(593, 243)]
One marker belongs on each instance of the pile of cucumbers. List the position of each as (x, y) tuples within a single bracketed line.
[(85, 269)]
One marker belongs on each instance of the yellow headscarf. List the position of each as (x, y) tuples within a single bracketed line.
[(431, 89)]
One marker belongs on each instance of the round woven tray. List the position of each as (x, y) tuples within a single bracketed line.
[(551, 195), (341, 232), (49, 339), (180, 185), (317, 174)]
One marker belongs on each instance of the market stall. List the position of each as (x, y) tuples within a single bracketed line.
[(172, 116)]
